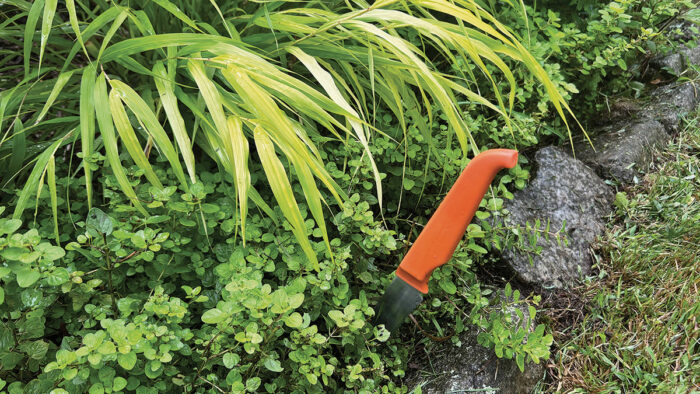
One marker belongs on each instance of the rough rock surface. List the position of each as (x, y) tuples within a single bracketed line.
[(623, 150), (673, 63), (670, 103), (677, 61), (473, 367), (563, 190)]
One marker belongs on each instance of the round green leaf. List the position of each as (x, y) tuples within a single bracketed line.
[(296, 300), (70, 373), (231, 359), (35, 350), (58, 276), (65, 357), (100, 221), (27, 277), (294, 320), (448, 286), (51, 253), (107, 348), (97, 388), (214, 316), (106, 375), (252, 384), (154, 369), (127, 361), (273, 365), (9, 226), (118, 384), (31, 297), (337, 316)]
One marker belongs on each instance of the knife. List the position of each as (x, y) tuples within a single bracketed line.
[(440, 237)]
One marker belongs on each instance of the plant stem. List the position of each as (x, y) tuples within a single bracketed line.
[(109, 278)]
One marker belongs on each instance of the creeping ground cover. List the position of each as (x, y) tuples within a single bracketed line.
[(212, 196)]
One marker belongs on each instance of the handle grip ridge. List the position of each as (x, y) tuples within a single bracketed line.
[(440, 237)]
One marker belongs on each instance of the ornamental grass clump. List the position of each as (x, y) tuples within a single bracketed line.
[(178, 79)]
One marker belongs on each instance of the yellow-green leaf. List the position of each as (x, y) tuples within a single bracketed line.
[(104, 120), (151, 124), (312, 195), (282, 189), (112, 30), (46, 24), (57, 87), (33, 182), (128, 137), (87, 123), (29, 30), (164, 84), (237, 150), (51, 170), (326, 81), (73, 18), (177, 12)]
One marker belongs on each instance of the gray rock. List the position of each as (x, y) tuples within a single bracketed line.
[(474, 367), (673, 63), (670, 103), (691, 55), (678, 60), (563, 190), (624, 150)]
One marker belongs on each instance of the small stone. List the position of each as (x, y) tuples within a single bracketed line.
[(563, 190)]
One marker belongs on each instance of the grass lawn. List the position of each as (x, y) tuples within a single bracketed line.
[(641, 330)]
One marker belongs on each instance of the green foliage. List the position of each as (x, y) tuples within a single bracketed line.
[(143, 304), (595, 52), (152, 146), (174, 301), (508, 331), (195, 77), (601, 46)]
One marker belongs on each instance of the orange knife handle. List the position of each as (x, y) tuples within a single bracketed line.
[(440, 237)]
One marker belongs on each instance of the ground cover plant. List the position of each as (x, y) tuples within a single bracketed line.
[(165, 280), (641, 333), (606, 46), (211, 196), (234, 91)]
